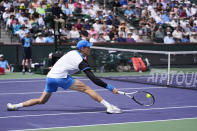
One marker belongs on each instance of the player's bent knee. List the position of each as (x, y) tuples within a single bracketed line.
[(88, 90)]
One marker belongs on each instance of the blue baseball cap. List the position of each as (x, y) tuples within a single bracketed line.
[(83, 43)]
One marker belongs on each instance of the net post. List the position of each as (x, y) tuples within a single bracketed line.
[(168, 79)]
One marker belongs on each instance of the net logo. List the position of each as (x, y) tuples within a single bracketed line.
[(176, 78)]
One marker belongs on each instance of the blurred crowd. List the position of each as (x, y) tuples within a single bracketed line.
[(159, 21), (163, 21)]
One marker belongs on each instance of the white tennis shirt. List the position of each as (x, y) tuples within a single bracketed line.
[(67, 64)]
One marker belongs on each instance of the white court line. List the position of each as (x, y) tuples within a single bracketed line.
[(99, 90), (108, 124), (95, 112), (25, 81), (31, 80)]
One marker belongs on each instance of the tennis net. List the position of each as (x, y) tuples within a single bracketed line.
[(174, 69)]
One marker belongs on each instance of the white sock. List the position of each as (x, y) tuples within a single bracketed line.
[(105, 103), (18, 105)]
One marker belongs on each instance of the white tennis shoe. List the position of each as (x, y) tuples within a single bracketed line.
[(113, 110), (11, 107)]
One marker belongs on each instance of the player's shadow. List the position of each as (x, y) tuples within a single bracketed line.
[(79, 109)]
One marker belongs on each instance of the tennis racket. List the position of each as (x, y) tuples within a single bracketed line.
[(143, 98)]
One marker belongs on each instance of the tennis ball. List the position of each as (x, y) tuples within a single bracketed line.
[(148, 95)]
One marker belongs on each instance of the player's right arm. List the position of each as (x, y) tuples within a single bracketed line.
[(86, 68)]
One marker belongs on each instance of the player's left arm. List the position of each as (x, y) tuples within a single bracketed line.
[(86, 68)]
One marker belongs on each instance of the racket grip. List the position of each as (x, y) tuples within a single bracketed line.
[(121, 92)]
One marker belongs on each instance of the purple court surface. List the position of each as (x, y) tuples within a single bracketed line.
[(70, 108)]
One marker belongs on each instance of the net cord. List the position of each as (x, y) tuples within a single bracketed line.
[(143, 51)]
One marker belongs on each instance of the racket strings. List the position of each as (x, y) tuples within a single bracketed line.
[(141, 98)]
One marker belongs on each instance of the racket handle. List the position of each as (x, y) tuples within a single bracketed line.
[(121, 92)]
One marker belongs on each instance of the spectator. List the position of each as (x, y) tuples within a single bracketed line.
[(40, 38), (41, 22), (97, 25), (74, 34), (59, 21), (120, 38), (145, 12), (32, 20), (50, 38), (10, 21), (115, 22), (65, 34), (78, 25), (116, 4), (56, 10), (106, 36), (66, 10), (193, 37), (165, 17), (6, 14), (21, 33), (169, 39), (183, 13), (108, 19), (22, 18), (177, 34), (41, 10), (27, 25), (123, 31), (35, 14), (128, 12), (5, 67), (159, 35), (185, 38), (92, 12), (35, 4), (85, 10), (174, 22), (87, 25), (187, 28), (78, 7), (101, 37), (84, 32), (71, 5), (137, 12), (194, 27), (95, 5), (7, 4), (93, 31), (124, 3), (134, 34), (129, 38), (104, 27), (122, 24), (140, 38), (193, 9), (93, 38), (113, 32), (16, 26)]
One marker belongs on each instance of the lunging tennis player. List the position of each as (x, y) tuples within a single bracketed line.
[(59, 76)]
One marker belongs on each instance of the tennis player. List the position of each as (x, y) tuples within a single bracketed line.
[(59, 76)]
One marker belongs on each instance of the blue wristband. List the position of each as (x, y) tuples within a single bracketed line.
[(110, 87)]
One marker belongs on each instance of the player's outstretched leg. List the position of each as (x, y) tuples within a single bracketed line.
[(80, 86), (42, 100)]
